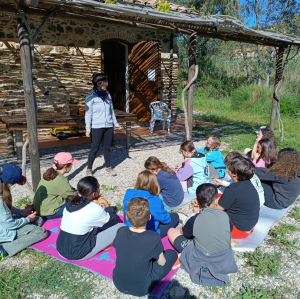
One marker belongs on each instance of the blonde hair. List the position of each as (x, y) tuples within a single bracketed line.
[(216, 142), (147, 180), (6, 195), (153, 163)]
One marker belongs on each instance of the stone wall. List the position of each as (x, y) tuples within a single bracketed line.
[(67, 53)]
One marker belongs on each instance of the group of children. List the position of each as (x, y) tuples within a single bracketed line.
[(89, 223)]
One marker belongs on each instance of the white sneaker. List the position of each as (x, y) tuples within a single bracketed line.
[(89, 172), (111, 171)]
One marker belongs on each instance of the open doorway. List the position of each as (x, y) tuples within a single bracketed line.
[(115, 65)]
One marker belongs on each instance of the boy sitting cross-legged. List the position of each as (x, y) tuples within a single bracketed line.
[(204, 240), (141, 261)]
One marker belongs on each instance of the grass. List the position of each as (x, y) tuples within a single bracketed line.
[(23, 201), (279, 236), (108, 188), (296, 213), (237, 127), (262, 262), (45, 276), (259, 292)]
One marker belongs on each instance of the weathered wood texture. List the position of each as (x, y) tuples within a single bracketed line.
[(30, 104)]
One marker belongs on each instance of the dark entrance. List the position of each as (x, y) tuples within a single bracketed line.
[(114, 65)]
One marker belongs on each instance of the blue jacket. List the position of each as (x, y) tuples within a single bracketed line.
[(216, 160), (9, 224), (157, 210), (170, 188), (99, 112), (196, 168)]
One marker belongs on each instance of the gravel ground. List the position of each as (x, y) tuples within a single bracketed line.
[(127, 165)]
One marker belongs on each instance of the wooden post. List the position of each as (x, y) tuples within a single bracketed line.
[(278, 80), (30, 103), (190, 98)]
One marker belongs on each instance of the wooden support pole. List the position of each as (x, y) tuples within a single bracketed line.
[(278, 80), (30, 103), (190, 98), (128, 134)]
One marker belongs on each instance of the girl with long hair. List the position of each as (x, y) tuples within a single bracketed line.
[(88, 224), (147, 186), (281, 182), (18, 228), (265, 155)]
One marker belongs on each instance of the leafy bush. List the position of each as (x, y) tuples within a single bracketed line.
[(290, 105)]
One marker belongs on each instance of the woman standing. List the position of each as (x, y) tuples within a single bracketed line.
[(100, 120)]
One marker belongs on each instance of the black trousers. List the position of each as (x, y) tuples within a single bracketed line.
[(269, 197), (165, 227), (106, 136)]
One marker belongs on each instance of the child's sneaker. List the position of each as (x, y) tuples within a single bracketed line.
[(177, 263), (3, 252)]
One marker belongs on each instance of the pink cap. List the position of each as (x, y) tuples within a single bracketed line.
[(65, 158)]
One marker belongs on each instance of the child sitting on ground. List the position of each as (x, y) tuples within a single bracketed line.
[(207, 232), (16, 232), (213, 157), (88, 224), (141, 260), (265, 155), (171, 191), (261, 133), (240, 199), (281, 182), (194, 170), (147, 186), (254, 180), (53, 189)]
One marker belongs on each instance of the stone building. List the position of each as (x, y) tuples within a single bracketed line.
[(67, 51)]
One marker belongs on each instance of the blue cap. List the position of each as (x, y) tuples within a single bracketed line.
[(12, 174)]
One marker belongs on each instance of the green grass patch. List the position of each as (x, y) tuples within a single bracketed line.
[(45, 276), (119, 207), (296, 213), (25, 200), (279, 236), (237, 127), (262, 262), (249, 292), (108, 188)]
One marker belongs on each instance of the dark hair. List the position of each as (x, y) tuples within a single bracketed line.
[(268, 133), (242, 167), (188, 146), (6, 195), (138, 211), (268, 152), (85, 188), (206, 194), (98, 77), (288, 163), (51, 173), (147, 180), (231, 156), (153, 163)]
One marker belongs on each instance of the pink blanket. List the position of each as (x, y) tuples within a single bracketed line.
[(102, 263)]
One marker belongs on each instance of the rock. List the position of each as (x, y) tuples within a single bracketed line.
[(177, 293)]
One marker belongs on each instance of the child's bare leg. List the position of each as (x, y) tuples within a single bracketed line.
[(173, 233)]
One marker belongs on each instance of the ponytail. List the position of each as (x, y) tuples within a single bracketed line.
[(51, 173)]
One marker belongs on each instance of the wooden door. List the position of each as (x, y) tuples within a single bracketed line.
[(144, 78)]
